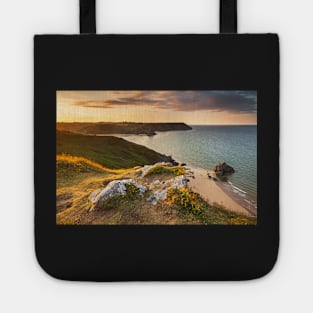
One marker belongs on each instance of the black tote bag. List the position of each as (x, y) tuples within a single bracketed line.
[(156, 156)]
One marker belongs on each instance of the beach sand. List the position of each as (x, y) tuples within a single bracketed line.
[(210, 191)]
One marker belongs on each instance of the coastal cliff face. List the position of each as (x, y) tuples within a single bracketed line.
[(149, 129), (108, 151)]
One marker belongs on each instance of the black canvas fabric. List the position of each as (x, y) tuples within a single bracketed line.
[(225, 61)]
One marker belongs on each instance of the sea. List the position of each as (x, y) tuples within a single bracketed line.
[(205, 146)]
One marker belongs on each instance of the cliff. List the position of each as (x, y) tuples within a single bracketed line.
[(121, 128), (108, 151)]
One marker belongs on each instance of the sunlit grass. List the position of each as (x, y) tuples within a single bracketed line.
[(80, 161), (166, 170)]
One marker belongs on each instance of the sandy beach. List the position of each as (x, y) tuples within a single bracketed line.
[(213, 193)]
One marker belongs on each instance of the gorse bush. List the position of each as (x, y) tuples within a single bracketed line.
[(186, 200), (167, 170), (179, 170), (191, 204), (131, 191)]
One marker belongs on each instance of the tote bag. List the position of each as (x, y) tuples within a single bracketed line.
[(156, 156)]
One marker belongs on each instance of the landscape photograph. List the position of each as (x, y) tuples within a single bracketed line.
[(156, 157)]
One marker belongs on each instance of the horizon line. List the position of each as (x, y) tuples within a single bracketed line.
[(218, 124)]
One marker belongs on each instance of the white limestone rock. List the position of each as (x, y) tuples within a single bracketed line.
[(160, 189), (178, 182), (157, 196), (114, 188)]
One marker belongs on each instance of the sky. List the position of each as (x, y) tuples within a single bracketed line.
[(212, 107)]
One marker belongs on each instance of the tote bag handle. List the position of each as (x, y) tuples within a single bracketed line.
[(228, 16)]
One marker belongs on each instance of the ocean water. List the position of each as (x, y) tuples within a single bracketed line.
[(206, 146)]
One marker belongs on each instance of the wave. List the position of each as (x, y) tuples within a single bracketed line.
[(236, 188), (242, 197)]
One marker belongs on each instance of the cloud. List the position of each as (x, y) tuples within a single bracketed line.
[(229, 101), (238, 101)]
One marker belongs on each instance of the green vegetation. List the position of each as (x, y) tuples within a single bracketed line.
[(187, 201), (117, 202), (108, 151), (192, 206), (132, 191), (166, 171), (70, 170)]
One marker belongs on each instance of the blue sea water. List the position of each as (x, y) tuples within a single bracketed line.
[(205, 146)]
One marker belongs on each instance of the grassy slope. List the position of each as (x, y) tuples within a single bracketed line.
[(72, 169), (108, 151), (89, 163), (77, 177)]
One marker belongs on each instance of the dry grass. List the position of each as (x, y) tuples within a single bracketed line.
[(78, 176), (80, 161), (166, 171)]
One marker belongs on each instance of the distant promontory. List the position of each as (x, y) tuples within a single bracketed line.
[(148, 129)]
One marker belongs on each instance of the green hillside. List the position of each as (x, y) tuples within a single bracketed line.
[(120, 128), (108, 151)]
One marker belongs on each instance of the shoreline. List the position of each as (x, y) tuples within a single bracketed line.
[(213, 192), (246, 204)]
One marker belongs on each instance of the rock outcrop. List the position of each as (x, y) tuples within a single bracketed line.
[(114, 188), (119, 188), (159, 189), (223, 169)]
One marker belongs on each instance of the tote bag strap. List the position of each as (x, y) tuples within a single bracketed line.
[(228, 16), (87, 16)]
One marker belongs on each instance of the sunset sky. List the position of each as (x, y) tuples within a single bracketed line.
[(191, 107)]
